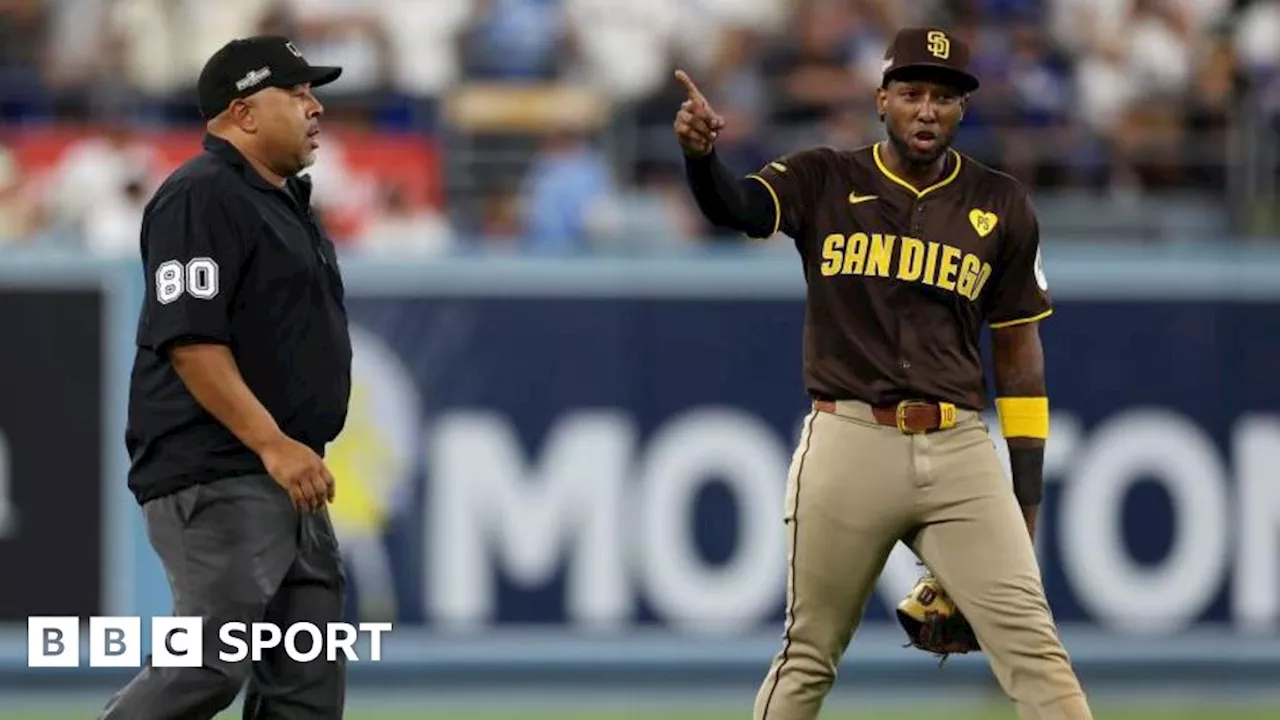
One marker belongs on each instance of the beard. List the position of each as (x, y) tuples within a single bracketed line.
[(291, 149), (916, 158)]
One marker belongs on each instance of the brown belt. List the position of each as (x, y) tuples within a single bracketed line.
[(912, 417)]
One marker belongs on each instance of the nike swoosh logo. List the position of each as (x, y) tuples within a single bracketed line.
[(855, 198)]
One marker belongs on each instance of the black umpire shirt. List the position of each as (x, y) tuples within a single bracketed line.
[(231, 259)]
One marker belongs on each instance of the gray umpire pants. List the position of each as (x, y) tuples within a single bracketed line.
[(238, 550)]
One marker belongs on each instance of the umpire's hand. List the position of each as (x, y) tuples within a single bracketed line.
[(300, 471), (697, 124)]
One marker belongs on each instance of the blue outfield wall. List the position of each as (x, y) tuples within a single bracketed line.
[(579, 465)]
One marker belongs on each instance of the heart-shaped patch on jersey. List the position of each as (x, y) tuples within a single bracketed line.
[(984, 222)]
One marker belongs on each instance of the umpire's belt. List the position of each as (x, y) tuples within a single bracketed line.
[(912, 417)]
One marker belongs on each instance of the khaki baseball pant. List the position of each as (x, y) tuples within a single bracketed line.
[(855, 488)]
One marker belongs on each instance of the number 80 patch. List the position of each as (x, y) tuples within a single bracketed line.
[(197, 278)]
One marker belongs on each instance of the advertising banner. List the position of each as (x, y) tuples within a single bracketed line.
[(618, 463), (51, 459)]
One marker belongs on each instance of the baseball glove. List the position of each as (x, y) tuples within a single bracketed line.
[(933, 622)]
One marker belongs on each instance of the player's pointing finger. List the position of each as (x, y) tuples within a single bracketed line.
[(689, 87)]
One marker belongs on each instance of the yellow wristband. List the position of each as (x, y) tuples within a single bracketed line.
[(1024, 416)]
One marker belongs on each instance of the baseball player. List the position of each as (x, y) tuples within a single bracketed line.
[(908, 248)]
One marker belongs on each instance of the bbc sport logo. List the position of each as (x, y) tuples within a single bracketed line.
[(54, 641)]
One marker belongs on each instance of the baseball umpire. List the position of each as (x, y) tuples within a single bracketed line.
[(908, 247), (241, 378)]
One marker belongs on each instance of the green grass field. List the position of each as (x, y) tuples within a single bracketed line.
[(995, 713), (1205, 714)]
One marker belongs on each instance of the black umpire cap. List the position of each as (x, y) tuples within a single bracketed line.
[(931, 48), (246, 65)]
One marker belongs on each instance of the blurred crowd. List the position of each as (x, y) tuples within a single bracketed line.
[(551, 119)]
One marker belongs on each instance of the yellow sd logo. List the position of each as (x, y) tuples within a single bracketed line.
[(939, 45)]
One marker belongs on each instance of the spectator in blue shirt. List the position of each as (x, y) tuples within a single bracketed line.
[(568, 195)]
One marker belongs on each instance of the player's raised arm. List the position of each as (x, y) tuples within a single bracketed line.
[(726, 198)]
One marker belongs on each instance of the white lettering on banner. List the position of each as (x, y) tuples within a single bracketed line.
[(615, 515), (1169, 449), (618, 519), (570, 503), (179, 641), (8, 513), (1256, 591), (740, 450)]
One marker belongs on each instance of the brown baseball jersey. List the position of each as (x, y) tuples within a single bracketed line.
[(901, 280)]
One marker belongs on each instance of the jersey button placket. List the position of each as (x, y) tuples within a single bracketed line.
[(917, 212)]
